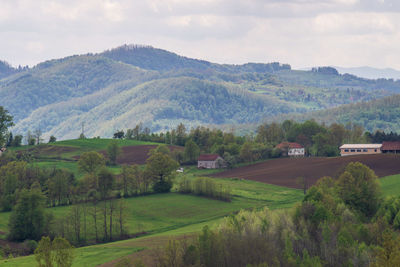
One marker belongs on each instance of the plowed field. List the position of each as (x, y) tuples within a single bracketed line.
[(285, 171), (138, 154)]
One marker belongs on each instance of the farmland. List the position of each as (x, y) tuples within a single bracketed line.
[(157, 218), (284, 171), (65, 154)]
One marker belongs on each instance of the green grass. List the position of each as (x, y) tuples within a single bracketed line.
[(390, 185), (45, 156), (99, 144), (84, 257)]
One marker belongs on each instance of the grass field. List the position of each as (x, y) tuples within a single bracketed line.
[(390, 185), (172, 214)]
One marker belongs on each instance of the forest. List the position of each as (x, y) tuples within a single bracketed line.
[(119, 88)]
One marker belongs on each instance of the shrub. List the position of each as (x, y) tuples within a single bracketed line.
[(162, 186)]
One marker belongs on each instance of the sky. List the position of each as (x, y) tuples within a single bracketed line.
[(303, 33)]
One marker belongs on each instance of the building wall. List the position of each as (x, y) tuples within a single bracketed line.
[(296, 152), (359, 151), (207, 164)]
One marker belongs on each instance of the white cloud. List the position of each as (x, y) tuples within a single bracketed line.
[(299, 32)]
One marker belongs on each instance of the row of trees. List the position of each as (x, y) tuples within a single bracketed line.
[(318, 139), (338, 223), (203, 186), (99, 211)]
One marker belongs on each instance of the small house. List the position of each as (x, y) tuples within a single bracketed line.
[(391, 147), (210, 161), (291, 149), (360, 149)]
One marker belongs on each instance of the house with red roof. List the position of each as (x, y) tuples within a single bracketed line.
[(291, 149), (210, 161), (390, 147)]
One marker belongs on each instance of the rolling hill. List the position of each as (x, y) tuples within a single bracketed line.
[(130, 84), (379, 114)]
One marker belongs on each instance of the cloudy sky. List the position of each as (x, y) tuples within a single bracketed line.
[(302, 33)]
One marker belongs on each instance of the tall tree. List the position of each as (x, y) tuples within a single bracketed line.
[(90, 162), (6, 121), (192, 151), (113, 151), (27, 220)]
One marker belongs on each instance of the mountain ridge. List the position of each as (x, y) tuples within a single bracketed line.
[(165, 89)]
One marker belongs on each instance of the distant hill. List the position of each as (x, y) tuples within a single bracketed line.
[(382, 114), (371, 73), (130, 84)]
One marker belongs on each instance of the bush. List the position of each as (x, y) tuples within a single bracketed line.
[(30, 246), (162, 187)]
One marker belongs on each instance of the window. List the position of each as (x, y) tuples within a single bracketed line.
[(376, 150), (358, 150), (352, 150), (365, 150), (346, 150)]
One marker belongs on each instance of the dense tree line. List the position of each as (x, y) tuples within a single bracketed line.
[(318, 140), (342, 222)]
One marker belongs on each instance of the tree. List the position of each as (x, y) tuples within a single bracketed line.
[(38, 136), (358, 187), (160, 167), (192, 151), (246, 153), (43, 253), (113, 151), (17, 141), (52, 139), (58, 253), (90, 162), (6, 121), (27, 220), (105, 181), (119, 134), (180, 134), (63, 252)]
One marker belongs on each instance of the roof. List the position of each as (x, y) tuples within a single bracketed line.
[(391, 146), (355, 146), (208, 157), (289, 145)]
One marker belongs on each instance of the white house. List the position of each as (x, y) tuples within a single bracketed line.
[(291, 149), (210, 161)]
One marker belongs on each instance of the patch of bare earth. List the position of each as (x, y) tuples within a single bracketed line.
[(285, 171)]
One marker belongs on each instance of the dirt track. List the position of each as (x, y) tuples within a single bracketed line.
[(284, 171)]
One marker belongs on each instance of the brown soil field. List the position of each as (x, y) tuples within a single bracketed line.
[(285, 171), (137, 154)]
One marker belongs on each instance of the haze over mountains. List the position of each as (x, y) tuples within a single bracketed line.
[(371, 73), (122, 87)]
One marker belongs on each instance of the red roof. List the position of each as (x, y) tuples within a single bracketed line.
[(390, 146), (208, 157), (288, 145)]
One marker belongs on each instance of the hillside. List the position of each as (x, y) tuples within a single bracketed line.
[(124, 86), (380, 114)]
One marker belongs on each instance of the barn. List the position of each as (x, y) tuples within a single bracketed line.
[(360, 149), (391, 147), (210, 161)]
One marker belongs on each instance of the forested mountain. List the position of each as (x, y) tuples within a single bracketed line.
[(380, 114), (124, 86)]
